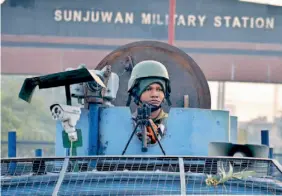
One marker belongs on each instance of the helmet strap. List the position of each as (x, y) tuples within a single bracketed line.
[(128, 100), (168, 100), (136, 100), (154, 108)]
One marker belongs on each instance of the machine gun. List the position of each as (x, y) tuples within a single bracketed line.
[(95, 86), (142, 121)]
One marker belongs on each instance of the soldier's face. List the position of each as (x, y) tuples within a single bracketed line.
[(153, 94)]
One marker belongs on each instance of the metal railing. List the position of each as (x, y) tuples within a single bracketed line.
[(131, 175)]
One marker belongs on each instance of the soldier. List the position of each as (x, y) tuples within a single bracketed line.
[(149, 83)]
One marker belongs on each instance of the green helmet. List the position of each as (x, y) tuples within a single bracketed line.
[(145, 69), (148, 71)]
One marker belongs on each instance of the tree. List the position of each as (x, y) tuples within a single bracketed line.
[(31, 121)]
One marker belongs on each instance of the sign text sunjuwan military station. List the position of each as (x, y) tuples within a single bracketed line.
[(90, 16)]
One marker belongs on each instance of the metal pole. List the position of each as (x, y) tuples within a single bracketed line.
[(12, 144), (38, 152), (271, 153), (265, 141), (265, 137), (93, 128), (221, 96), (171, 27), (12, 150), (275, 102)]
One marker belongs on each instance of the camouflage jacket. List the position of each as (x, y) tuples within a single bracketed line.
[(160, 122)]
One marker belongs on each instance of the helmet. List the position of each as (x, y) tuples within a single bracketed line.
[(146, 71)]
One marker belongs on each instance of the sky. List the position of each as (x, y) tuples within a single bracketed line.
[(250, 100)]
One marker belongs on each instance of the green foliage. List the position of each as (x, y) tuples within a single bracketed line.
[(31, 121)]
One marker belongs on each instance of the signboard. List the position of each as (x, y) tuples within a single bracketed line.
[(217, 20), (226, 31)]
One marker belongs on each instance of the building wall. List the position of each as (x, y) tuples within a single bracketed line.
[(230, 40)]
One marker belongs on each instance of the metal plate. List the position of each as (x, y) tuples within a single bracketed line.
[(186, 76)]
